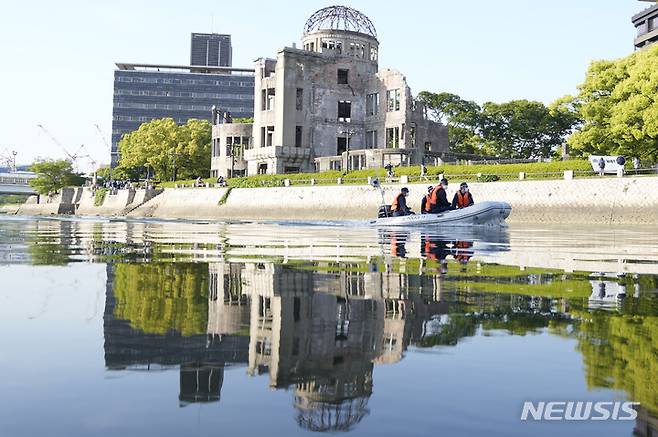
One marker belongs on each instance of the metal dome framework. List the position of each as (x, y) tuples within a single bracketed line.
[(340, 18)]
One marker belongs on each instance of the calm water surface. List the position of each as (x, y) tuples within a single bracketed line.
[(118, 328)]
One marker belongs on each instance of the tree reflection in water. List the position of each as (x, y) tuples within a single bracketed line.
[(322, 327)]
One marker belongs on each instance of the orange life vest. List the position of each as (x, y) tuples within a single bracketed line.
[(427, 201), (429, 254), (395, 205), (462, 199), (433, 198)]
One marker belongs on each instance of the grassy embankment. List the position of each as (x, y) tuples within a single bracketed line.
[(488, 172), (12, 199)]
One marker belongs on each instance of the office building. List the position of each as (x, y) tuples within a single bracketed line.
[(646, 25), (143, 92), (211, 49)]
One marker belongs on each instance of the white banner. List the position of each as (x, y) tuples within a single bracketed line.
[(611, 163)]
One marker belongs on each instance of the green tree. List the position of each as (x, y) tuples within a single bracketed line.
[(165, 148), (460, 116), (619, 107), (159, 297), (53, 175), (515, 129), (523, 129)]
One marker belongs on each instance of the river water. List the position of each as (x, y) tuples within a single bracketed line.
[(117, 328)]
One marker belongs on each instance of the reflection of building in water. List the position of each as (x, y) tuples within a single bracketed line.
[(646, 424), (319, 330), (202, 358), (323, 333), (606, 292), (200, 383), (323, 343), (228, 306)]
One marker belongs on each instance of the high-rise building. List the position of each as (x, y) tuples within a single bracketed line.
[(143, 92), (646, 25), (212, 49)]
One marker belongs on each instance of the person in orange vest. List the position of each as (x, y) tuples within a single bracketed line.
[(426, 199), (438, 201), (463, 197), (463, 251), (399, 206)]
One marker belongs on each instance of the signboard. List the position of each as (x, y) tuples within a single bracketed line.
[(612, 163)]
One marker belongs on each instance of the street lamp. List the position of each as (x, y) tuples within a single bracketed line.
[(348, 134)]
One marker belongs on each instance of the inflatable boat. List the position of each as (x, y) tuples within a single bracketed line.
[(482, 213)]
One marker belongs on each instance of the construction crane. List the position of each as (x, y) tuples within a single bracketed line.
[(73, 157), (102, 135), (109, 148), (9, 157)]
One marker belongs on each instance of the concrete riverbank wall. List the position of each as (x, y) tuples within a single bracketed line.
[(628, 200)]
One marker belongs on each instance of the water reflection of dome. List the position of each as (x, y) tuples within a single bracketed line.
[(334, 405)]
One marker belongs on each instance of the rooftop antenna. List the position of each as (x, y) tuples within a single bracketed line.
[(212, 23)]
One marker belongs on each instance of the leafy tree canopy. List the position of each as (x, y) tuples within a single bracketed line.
[(523, 129), (515, 129), (619, 105), (53, 175), (164, 147)]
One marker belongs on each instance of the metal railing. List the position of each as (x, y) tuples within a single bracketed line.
[(14, 180), (483, 177)]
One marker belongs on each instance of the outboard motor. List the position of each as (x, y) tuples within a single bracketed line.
[(384, 211)]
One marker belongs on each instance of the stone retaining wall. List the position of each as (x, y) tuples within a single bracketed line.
[(628, 200), (606, 200)]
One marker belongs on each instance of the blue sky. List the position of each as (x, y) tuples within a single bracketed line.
[(58, 56)]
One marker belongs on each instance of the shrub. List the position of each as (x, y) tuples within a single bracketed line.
[(99, 196), (225, 196), (488, 178), (543, 170)]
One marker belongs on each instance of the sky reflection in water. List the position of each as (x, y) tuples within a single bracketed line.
[(133, 328)]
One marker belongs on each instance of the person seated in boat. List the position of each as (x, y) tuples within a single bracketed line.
[(463, 197), (426, 199), (438, 201), (399, 206)]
